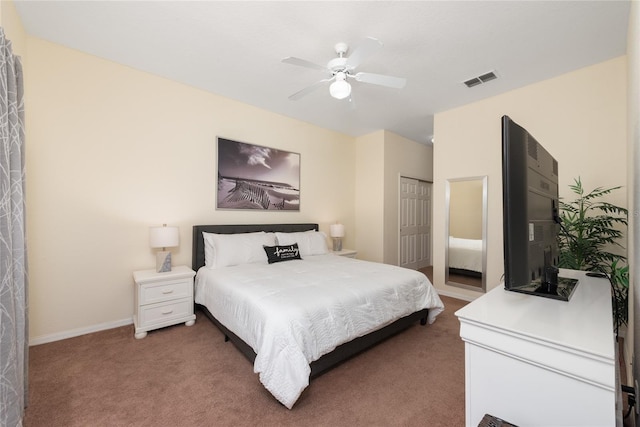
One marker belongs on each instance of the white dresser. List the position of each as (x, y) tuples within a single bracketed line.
[(163, 299), (535, 361)]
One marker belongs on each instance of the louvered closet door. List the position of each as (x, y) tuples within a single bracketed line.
[(415, 223)]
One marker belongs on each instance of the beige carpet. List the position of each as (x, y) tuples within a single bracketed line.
[(188, 376)]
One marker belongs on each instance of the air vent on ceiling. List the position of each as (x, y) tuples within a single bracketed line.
[(481, 79)]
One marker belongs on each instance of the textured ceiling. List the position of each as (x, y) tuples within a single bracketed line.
[(235, 49)]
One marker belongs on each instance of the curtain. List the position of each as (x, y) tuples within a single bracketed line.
[(13, 260)]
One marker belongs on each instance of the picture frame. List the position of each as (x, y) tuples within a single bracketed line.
[(255, 177)]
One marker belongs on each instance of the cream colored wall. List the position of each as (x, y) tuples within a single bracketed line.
[(402, 157), (382, 157), (465, 201), (112, 151), (369, 198), (580, 117)]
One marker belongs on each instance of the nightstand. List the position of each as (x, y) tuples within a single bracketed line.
[(349, 253), (163, 299)]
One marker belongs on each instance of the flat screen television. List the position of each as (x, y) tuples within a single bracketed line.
[(531, 218)]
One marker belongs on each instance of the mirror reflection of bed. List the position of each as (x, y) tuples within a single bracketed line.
[(465, 246), (465, 261)]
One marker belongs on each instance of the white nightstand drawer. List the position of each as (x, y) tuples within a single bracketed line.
[(165, 312), (168, 291)]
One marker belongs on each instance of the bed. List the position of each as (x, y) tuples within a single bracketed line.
[(294, 320), (465, 256)]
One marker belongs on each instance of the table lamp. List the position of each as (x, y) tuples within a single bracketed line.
[(337, 232), (163, 237)]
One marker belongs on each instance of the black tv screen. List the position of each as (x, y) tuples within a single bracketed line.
[(531, 219)]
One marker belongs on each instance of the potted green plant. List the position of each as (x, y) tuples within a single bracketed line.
[(589, 239)]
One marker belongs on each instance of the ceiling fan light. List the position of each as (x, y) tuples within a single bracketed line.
[(340, 89)]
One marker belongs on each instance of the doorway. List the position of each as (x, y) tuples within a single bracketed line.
[(415, 223)]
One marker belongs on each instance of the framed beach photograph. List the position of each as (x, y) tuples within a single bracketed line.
[(256, 177)]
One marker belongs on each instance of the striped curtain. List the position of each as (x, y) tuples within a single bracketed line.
[(13, 260)]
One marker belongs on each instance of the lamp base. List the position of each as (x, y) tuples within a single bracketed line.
[(337, 244), (163, 261)]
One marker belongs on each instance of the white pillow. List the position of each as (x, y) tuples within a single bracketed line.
[(309, 242), (222, 250)]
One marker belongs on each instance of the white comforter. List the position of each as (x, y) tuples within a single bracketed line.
[(292, 313)]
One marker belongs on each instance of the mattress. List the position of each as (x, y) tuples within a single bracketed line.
[(292, 313)]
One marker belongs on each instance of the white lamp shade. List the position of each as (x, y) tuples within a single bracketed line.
[(164, 237), (337, 230), (340, 89)]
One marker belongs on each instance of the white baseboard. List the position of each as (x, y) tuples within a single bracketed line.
[(43, 339), (457, 295)]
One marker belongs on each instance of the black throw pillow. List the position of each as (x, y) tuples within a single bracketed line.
[(282, 253)]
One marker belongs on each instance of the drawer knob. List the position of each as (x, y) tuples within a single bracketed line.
[(167, 312), (170, 291)]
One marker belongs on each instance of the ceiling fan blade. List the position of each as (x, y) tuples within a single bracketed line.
[(382, 80), (307, 90), (304, 63), (365, 49)]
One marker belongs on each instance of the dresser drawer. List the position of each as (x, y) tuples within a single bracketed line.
[(166, 291), (165, 313)]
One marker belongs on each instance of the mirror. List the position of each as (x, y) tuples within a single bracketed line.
[(466, 233)]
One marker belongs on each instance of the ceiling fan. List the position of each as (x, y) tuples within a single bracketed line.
[(341, 70)]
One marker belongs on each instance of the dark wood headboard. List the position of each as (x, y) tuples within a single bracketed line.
[(197, 255)]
